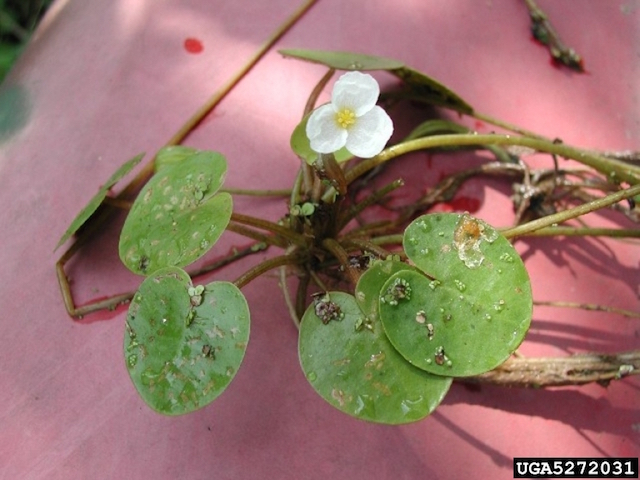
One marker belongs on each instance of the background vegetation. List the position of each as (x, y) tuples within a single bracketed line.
[(18, 20)]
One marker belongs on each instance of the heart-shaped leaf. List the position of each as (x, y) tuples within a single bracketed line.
[(177, 216), (184, 344), (348, 360), (477, 309), (171, 155), (97, 199), (370, 284), (343, 60)]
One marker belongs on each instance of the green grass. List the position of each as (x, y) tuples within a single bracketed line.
[(18, 19)]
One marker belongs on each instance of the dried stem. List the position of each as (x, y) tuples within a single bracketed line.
[(565, 215), (578, 369), (543, 32), (591, 307)]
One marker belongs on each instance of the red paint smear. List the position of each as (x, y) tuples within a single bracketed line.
[(193, 45)]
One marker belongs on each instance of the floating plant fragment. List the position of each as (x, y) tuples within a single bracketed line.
[(351, 364), (478, 309), (182, 356), (178, 215)]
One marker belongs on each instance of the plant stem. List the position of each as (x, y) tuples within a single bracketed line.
[(583, 232), (367, 246), (374, 197), (565, 215), (395, 239), (260, 237), (301, 297), (340, 253), (507, 126), (285, 232), (264, 267), (615, 169), (287, 298), (317, 90), (578, 369), (591, 307)]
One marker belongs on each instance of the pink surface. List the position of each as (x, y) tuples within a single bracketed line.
[(105, 80)]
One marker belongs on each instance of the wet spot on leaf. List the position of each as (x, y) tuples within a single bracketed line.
[(468, 234)]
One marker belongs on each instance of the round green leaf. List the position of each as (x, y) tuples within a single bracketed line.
[(171, 155), (370, 284), (183, 350), (343, 60), (97, 199), (351, 364), (177, 216), (474, 314)]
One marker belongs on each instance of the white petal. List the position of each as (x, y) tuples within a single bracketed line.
[(370, 133), (356, 91), (325, 135)]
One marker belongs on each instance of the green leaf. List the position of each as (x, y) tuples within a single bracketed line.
[(371, 282), (97, 199), (168, 156), (435, 127), (302, 147), (422, 86), (177, 216), (440, 127), (431, 91), (351, 364), (475, 313), (183, 350), (343, 60)]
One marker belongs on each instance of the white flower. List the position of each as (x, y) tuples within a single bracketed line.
[(352, 119)]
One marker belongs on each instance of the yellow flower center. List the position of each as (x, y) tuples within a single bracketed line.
[(345, 118)]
